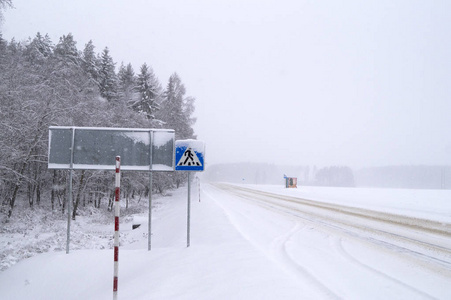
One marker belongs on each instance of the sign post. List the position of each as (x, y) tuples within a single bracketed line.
[(189, 156)]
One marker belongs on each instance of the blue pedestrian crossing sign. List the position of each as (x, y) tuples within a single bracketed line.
[(189, 155)]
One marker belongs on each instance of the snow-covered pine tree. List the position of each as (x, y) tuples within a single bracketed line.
[(39, 49), (149, 91), (3, 47), (176, 109), (14, 47), (67, 50), (90, 63), (107, 76), (43, 44), (127, 84), (188, 110)]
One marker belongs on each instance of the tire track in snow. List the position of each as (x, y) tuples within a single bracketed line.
[(285, 256), (279, 253), (339, 246)]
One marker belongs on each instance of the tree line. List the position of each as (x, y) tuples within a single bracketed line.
[(263, 173), (44, 84)]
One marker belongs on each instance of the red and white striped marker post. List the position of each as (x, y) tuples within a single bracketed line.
[(116, 225)]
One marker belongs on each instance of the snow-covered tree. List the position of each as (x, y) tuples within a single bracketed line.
[(149, 91), (4, 4), (55, 91), (25, 117), (90, 63), (107, 76), (39, 49), (127, 84), (67, 49), (15, 47), (176, 109), (3, 47)]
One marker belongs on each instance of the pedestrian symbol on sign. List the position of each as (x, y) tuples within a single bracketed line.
[(189, 155), (189, 158)]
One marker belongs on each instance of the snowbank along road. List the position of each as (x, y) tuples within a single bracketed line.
[(349, 252)]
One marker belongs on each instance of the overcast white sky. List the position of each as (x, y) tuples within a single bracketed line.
[(358, 83)]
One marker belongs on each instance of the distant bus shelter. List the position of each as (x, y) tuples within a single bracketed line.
[(291, 182)]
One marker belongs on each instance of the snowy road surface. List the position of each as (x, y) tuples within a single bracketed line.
[(347, 252), (262, 242)]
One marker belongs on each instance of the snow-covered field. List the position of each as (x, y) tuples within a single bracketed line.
[(241, 248)]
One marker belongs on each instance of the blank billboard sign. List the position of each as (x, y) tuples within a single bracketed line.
[(96, 148)]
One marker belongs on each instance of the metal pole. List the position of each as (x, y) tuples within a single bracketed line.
[(149, 236), (69, 198), (116, 225), (69, 201), (189, 212), (149, 222)]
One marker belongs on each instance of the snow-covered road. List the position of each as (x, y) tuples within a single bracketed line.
[(348, 252), (260, 242)]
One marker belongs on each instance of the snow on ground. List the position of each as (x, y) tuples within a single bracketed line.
[(238, 251)]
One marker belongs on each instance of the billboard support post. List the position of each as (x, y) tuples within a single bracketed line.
[(149, 224), (69, 198), (69, 202)]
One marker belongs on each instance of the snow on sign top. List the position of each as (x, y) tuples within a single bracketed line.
[(189, 155)]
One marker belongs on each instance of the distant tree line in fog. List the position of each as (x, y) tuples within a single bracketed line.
[(420, 177), (335, 176), (413, 177), (43, 84), (255, 173)]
